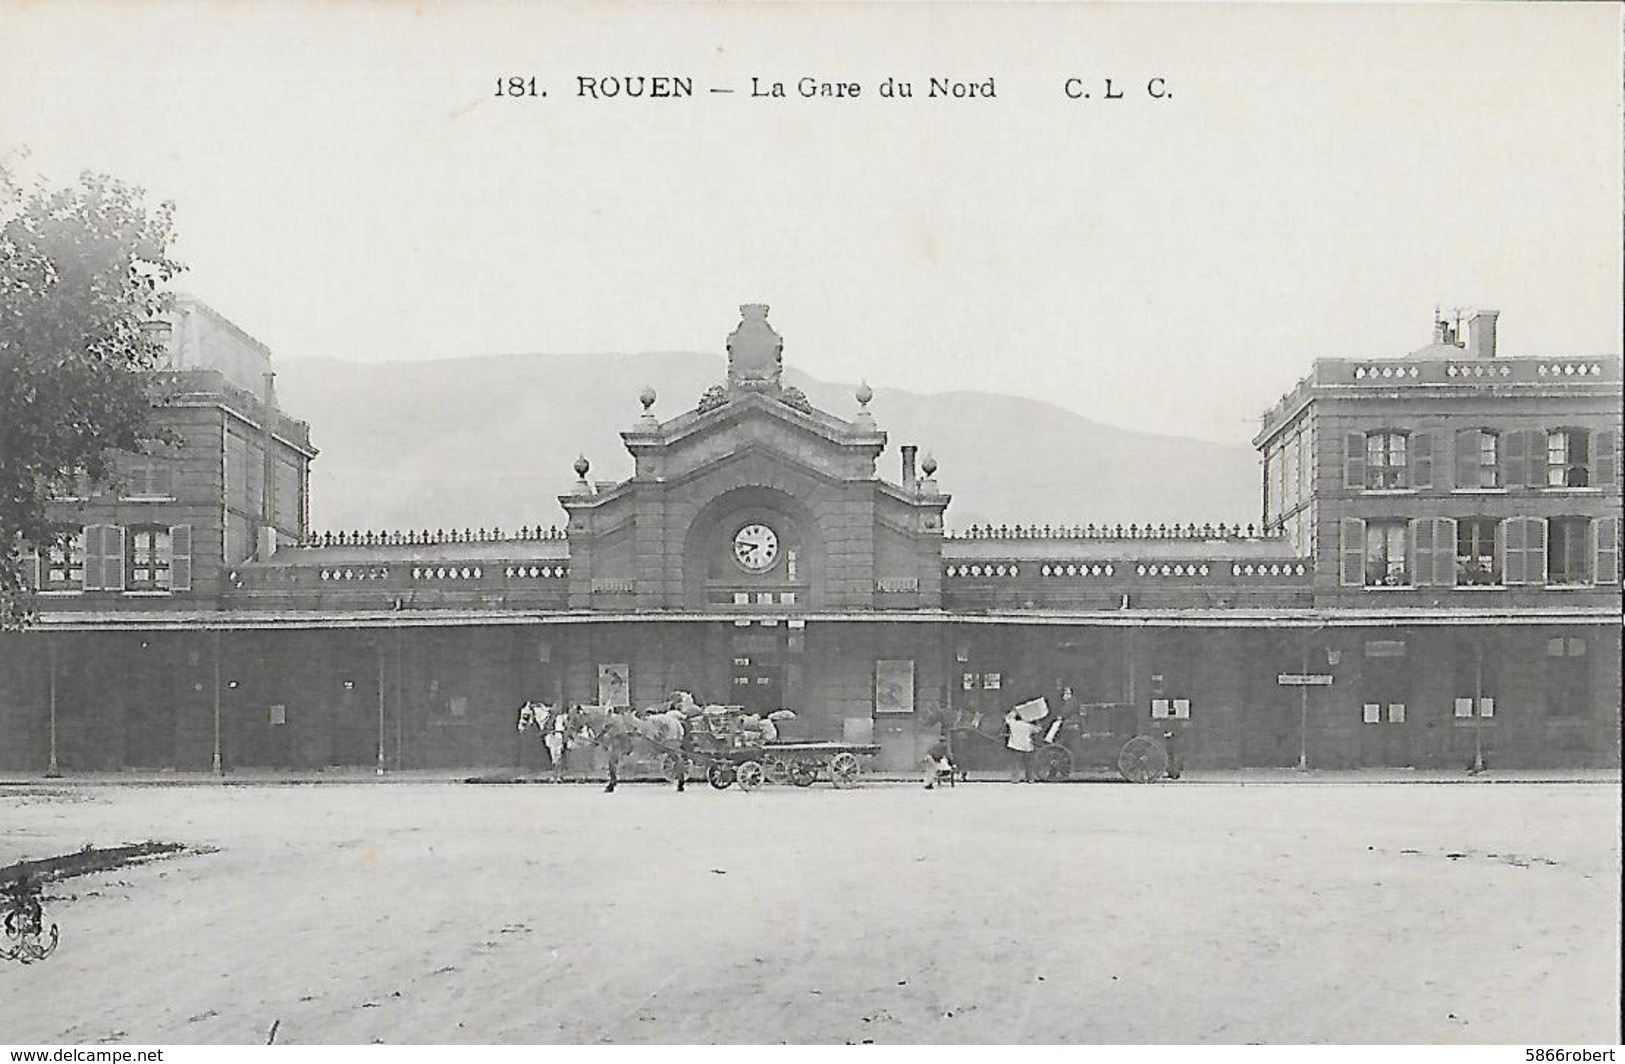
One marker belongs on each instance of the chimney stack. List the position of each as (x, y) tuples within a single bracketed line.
[(1481, 334), (909, 450)]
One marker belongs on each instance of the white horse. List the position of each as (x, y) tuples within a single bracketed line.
[(553, 725)]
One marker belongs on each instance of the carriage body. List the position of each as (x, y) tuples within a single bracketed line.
[(1091, 739)]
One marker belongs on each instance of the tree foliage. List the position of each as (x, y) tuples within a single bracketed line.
[(83, 273)]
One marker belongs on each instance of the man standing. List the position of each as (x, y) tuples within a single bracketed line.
[(1020, 743)]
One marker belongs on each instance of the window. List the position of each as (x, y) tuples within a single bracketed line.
[(1385, 555), (1567, 684), (147, 558), (1477, 562), (1568, 550), (1385, 464), (147, 477), (1568, 458), (62, 566), (1478, 459)]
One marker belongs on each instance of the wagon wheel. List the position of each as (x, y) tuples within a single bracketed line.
[(1142, 760), (802, 774), (720, 775), (779, 771), (750, 775), (673, 767), (843, 769), (1054, 764)]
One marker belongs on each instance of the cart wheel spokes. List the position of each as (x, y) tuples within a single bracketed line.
[(1142, 760), (1054, 764), (720, 775), (778, 771), (843, 769), (802, 774), (749, 775)]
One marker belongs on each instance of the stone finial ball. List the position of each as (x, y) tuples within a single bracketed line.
[(928, 466), (647, 398), (581, 466), (864, 393)]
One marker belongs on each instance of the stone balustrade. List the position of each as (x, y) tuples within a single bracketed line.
[(1131, 531), (431, 537)]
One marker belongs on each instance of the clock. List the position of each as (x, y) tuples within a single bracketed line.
[(756, 547)]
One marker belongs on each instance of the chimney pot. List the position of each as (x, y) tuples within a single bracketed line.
[(909, 450)]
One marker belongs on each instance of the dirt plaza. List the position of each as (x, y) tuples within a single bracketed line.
[(1227, 910)]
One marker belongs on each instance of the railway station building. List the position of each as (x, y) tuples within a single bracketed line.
[(1434, 581)]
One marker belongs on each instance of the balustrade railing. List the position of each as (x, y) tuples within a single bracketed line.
[(1131, 531), (431, 537)]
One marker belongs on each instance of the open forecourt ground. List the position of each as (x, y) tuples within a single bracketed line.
[(436, 912)]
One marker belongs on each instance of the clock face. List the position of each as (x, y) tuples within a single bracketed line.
[(756, 547)]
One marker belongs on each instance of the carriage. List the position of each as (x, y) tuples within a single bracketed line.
[(1096, 737), (734, 747)]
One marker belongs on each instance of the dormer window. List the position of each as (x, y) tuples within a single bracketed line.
[(1385, 461)]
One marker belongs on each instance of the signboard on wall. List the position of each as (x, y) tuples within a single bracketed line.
[(894, 687), (614, 684)]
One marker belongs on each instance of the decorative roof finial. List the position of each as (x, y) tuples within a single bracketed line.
[(864, 393), (928, 466), (581, 466), (865, 420), (755, 351), (647, 398)]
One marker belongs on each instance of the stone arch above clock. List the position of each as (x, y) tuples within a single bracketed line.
[(754, 453)]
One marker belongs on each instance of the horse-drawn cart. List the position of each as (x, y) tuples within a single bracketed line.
[(734, 747), (1102, 736)]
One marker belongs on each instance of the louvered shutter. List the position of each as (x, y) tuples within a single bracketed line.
[(1501, 549), (1354, 461), (1422, 552), (1353, 552), (1514, 543), (1467, 459), (92, 561), (1605, 458), (1421, 460), (113, 557), (1515, 459), (1444, 551), (1535, 550), (1605, 533), (1536, 449), (180, 558)]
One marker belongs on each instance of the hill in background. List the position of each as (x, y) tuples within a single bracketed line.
[(489, 441)]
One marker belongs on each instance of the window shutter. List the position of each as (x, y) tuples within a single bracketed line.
[(1444, 551), (1536, 550), (1353, 552), (1605, 533), (1514, 459), (1604, 459), (180, 558), (113, 557), (1536, 449), (92, 561), (1421, 459), (1354, 461), (1422, 552), (1467, 459), (163, 476), (1514, 542)]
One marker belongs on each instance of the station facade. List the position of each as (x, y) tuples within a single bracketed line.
[(1434, 581)]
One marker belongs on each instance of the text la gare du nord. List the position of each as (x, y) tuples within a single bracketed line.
[(681, 87)]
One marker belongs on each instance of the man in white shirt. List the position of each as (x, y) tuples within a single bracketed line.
[(1021, 745)]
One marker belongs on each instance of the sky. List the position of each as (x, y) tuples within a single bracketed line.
[(1311, 181)]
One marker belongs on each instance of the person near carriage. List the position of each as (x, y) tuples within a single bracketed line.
[(939, 764), (1021, 745)]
